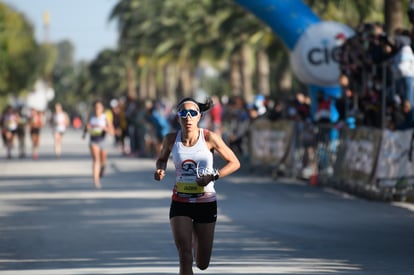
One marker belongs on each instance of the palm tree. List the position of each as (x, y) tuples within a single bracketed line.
[(178, 35), (393, 13), (108, 74)]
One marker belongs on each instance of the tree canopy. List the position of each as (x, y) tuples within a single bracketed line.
[(161, 45), (18, 48)]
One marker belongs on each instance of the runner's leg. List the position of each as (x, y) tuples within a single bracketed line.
[(203, 243), (182, 228)]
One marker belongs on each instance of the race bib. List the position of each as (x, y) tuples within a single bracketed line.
[(11, 125), (188, 185), (96, 131)]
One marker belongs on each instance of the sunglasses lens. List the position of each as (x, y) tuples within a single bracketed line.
[(185, 113), (193, 113)]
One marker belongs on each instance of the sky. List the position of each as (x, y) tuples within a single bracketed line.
[(84, 22)]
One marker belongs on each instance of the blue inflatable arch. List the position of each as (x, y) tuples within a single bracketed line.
[(287, 18), (298, 27)]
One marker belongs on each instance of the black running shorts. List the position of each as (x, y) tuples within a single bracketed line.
[(205, 212)]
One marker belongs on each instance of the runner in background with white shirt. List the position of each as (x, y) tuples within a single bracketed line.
[(60, 121), (9, 124)]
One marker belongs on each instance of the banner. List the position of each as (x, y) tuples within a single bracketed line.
[(358, 155), (396, 157), (270, 141)]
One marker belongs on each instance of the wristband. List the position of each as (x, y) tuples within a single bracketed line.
[(216, 176)]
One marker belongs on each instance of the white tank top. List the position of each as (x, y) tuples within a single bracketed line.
[(11, 122), (59, 121), (98, 124), (187, 161)]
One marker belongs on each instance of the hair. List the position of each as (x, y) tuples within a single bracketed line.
[(96, 101), (57, 104), (201, 106)]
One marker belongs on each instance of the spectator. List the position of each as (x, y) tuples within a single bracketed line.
[(119, 124), (159, 122), (408, 112), (237, 122), (216, 114), (323, 109), (410, 14), (403, 67)]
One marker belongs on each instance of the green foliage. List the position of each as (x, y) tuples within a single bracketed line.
[(18, 52), (46, 58), (153, 33), (70, 81), (108, 75), (185, 31), (352, 12)]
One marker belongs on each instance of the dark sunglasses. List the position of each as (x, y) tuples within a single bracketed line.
[(185, 113)]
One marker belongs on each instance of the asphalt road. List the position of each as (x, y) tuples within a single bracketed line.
[(52, 221)]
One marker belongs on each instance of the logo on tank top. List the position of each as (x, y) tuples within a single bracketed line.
[(189, 166)]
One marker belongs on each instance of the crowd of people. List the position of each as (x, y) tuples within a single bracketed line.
[(377, 76), (17, 123)]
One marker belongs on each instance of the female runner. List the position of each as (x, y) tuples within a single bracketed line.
[(98, 128), (193, 211), (60, 123)]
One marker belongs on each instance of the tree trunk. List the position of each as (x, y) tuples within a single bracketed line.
[(132, 93), (186, 83), (235, 76), (143, 83), (285, 81), (152, 86), (246, 71), (393, 14), (285, 76), (262, 72), (170, 83)]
